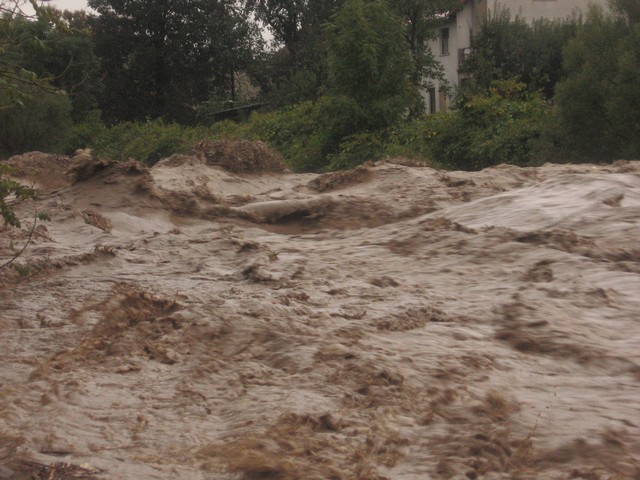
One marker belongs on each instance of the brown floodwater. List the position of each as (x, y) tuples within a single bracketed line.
[(395, 322)]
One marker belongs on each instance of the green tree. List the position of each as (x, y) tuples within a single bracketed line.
[(422, 19), (15, 40), (367, 89), (163, 58), (71, 60), (500, 125), (34, 113), (40, 122), (61, 51), (598, 104), (295, 70), (627, 9), (512, 49), (369, 65), (369, 73)]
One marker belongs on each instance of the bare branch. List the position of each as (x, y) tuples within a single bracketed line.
[(13, 259)]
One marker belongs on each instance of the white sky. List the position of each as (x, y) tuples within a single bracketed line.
[(69, 4)]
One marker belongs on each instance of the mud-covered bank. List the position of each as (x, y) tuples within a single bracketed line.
[(391, 322)]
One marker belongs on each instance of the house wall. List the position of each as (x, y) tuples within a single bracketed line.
[(553, 9), (468, 21)]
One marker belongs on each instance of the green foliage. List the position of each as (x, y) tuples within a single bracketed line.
[(300, 135), (290, 21), (299, 72), (598, 105), (368, 89), (147, 142), (369, 64), (230, 130), (356, 149), (162, 59), (40, 122), (49, 49), (71, 61), (501, 126), (414, 139), (61, 55), (10, 188), (295, 71), (12, 193), (291, 130), (627, 9), (16, 40), (512, 49), (84, 134), (422, 18), (41, 57), (294, 132)]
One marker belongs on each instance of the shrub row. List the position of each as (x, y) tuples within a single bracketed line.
[(503, 125)]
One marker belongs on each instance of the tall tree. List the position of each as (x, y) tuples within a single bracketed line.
[(512, 49), (16, 38), (422, 19), (296, 68), (63, 52), (287, 20), (370, 68), (627, 9), (599, 101), (162, 58), (368, 59), (34, 109)]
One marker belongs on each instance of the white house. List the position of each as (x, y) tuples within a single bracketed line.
[(454, 39)]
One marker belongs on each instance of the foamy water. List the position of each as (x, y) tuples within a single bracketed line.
[(399, 323)]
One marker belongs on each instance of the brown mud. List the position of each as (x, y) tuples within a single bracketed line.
[(393, 322)]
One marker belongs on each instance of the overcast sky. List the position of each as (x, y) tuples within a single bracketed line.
[(69, 4)]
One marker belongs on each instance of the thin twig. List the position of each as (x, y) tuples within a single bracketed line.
[(18, 200), (33, 228)]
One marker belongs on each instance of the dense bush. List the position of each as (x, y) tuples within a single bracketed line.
[(293, 131), (501, 126), (598, 105), (414, 139), (41, 121), (369, 80), (303, 133), (513, 49), (296, 132), (290, 131), (356, 149), (147, 142)]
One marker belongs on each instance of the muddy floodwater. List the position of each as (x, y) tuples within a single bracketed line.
[(392, 322)]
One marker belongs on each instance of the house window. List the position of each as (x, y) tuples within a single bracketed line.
[(431, 91), (444, 41), (463, 53), (443, 100)]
